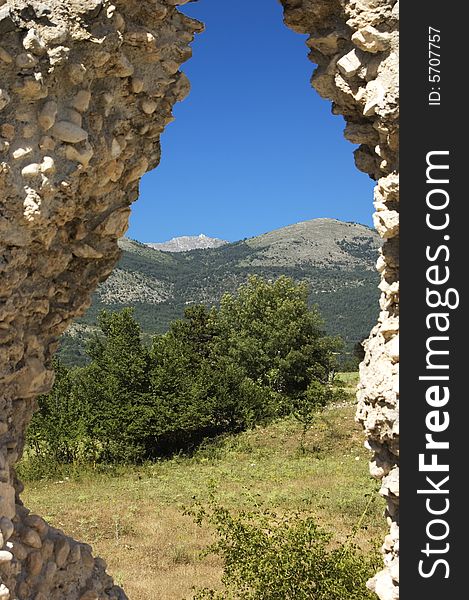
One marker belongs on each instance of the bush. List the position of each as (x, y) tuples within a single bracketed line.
[(58, 430), (272, 557), (311, 403), (261, 355)]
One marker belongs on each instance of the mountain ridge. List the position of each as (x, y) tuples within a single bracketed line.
[(335, 258), (187, 243)]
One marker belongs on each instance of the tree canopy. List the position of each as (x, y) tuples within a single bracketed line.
[(263, 353)]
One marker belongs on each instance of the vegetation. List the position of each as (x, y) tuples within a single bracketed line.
[(260, 355), (306, 408), (335, 260), (133, 515), (268, 556), (176, 409)]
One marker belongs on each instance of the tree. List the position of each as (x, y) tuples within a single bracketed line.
[(216, 370), (197, 390), (197, 330), (114, 386), (58, 427), (271, 333)]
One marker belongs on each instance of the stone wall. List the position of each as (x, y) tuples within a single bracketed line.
[(86, 88), (355, 44)]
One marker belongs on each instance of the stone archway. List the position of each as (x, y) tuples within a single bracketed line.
[(86, 88)]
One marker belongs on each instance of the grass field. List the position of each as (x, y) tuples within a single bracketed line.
[(133, 516)]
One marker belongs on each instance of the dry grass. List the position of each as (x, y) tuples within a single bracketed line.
[(134, 519)]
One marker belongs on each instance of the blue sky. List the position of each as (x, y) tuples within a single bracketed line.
[(253, 147)]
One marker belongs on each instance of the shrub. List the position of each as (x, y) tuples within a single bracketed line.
[(272, 557), (261, 355), (311, 403)]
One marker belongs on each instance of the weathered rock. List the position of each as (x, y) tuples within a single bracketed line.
[(72, 157), (35, 562), (81, 101), (75, 139), (355, 45), (4, 98), (62, 550), (47, 115), (369, 39), (66, 131), (5, 556), (30, 537), (7, 528), (4, 592), (5, 56), (349, 64)]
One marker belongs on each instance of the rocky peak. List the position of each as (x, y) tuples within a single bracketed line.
[(185, 243)]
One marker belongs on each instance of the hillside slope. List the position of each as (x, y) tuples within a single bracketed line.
[(336, 259)]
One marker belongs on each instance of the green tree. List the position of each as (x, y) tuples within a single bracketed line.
[(58, 427), (197, 331), (114, 387), (263, 353), (197, 390), (269, 330)]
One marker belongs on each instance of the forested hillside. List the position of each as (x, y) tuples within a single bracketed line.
[(336, 259)]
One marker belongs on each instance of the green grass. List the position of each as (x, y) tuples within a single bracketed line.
[(134, 518)]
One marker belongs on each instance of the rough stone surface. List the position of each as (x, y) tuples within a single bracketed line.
[(355, 44), (86, 88)]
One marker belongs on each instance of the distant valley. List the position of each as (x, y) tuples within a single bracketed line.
[(337, 260)]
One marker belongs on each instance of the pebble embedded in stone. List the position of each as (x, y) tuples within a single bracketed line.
[(69, 132)]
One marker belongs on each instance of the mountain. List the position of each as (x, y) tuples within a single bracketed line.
[(336, 259), (186, 243)]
